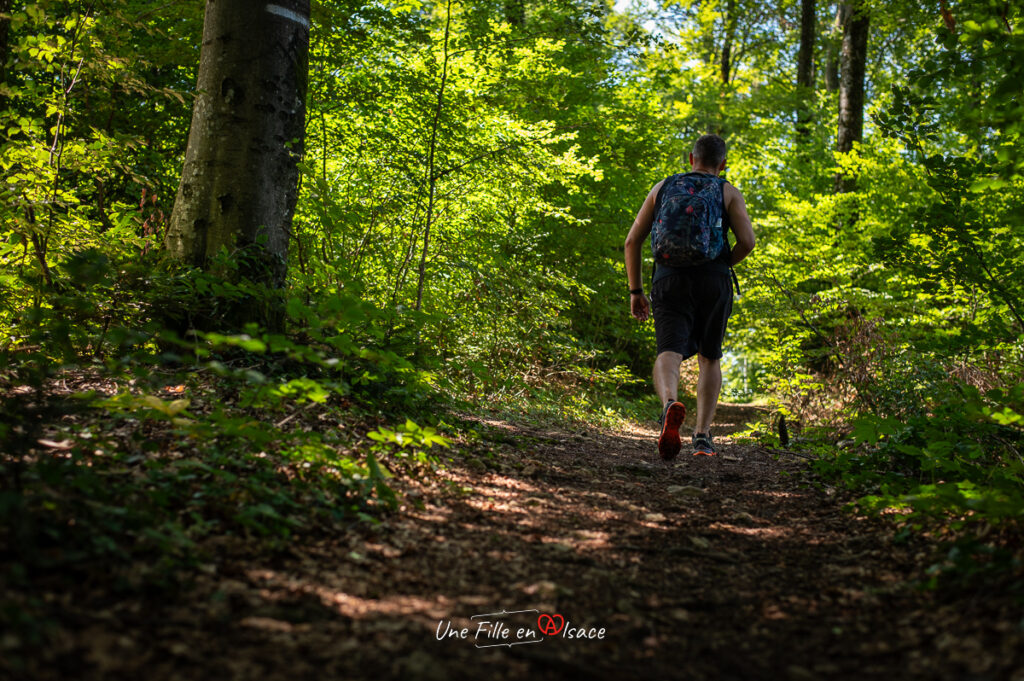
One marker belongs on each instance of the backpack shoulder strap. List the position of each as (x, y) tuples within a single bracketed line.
[(725, 229)]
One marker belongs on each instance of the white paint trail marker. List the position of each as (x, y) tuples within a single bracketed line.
[(289, 14)]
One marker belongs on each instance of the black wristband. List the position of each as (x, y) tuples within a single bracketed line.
[(636, 291)]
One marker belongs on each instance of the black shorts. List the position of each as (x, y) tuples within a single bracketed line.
[(691, 310)]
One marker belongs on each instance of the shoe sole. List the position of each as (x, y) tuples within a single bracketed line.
[(669, 443), (701, 452)]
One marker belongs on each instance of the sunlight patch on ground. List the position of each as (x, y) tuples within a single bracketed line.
[(776, 494), (773, 532), (279, 586)]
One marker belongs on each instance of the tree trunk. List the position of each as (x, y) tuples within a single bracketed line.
[(730, 36), (515, 13), (851, 87), (431, 174), (834, 47), (805, 65), (239, 182), (5, 24), (5, 27)]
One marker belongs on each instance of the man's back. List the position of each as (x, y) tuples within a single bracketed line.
[(692, 303)]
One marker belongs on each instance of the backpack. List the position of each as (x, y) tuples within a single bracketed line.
[(687, 228)]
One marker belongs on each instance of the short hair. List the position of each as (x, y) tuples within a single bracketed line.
[(709, 150)]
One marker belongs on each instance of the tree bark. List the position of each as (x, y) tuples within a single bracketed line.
[(805, 65), (851, 87), (431, 172), (5, 27), (240, 178), (730, 36), (834, 47)]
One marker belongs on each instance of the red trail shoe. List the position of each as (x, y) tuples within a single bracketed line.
[(669, 443)]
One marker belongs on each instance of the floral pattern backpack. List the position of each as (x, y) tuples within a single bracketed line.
[(687, 228)]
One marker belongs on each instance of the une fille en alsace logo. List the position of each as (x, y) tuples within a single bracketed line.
[(501, 629)]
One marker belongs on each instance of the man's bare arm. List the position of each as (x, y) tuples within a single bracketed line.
[(637, 234), (638, 304), (740, 220)]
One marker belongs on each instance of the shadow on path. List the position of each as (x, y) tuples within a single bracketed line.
[(728, 567)]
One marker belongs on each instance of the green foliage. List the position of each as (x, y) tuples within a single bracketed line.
[(406, 447), (470, 172), (961, 458), (432, 188), (411, 440), (192, 436), (121, 490), (90, 115), (247, 435)]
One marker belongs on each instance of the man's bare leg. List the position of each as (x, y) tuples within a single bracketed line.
[(666, 384), (666, 377), (709, 385)]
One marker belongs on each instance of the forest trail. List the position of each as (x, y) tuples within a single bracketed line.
[(728, 567)]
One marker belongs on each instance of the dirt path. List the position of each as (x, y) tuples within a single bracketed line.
[(712, 568)]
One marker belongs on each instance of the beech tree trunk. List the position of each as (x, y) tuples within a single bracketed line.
[(851, 86), (240, 177), (5, 26), (730, 37), (805, 65), (835, 46)]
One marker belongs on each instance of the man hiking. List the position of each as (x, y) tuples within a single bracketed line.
[(688, 217)]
